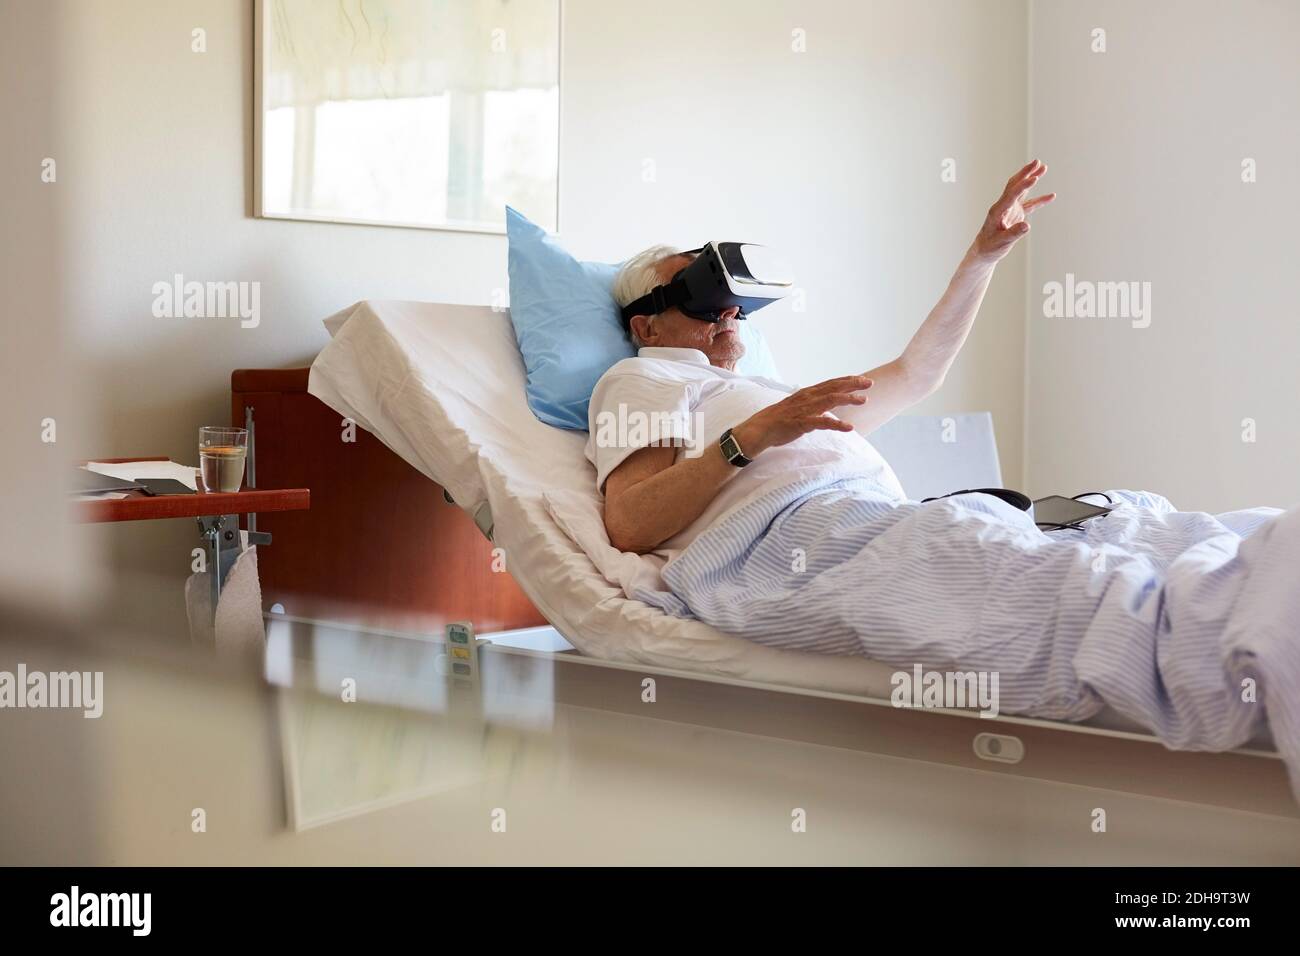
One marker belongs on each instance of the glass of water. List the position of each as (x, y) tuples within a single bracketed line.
[(221, 457)]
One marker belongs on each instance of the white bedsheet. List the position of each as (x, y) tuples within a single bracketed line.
[(443, 387)]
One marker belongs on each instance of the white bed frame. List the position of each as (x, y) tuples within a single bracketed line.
[(523, 677)]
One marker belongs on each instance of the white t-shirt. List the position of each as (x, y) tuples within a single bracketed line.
[(671, 396)]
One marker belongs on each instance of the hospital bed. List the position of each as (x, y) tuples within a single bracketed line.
[(437, 496)]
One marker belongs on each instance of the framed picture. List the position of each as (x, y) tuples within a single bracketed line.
[(344, 760), (430, 114), (370, 719)]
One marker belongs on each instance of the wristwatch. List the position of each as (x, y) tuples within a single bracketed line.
[(731, 450)]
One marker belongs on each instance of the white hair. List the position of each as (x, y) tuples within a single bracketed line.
[(638, 277)]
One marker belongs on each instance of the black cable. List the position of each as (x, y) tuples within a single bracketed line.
[(1089, 494)]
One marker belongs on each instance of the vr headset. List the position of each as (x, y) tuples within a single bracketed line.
[(723, 275)]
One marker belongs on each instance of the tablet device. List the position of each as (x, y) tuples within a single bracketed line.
[(1056, 511), (164, 486)]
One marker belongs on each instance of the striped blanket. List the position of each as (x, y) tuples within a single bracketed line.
[(1185, 622)]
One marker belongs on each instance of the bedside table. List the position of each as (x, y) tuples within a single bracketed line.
[(217, 514)]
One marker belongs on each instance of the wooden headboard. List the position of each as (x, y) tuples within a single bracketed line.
[(380, 545)]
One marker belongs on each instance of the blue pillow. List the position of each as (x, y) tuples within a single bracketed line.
[(757, 359), (566, 322), (568, 326)]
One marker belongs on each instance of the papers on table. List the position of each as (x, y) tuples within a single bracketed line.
[(135, 470), (101, 496)]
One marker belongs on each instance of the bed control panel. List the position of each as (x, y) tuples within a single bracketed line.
[(462, 654), (999, 748)]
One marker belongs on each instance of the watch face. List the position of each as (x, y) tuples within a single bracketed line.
[(730, 447)]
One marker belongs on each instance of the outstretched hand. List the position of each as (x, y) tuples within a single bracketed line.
[(801, 412), (1008, 218)]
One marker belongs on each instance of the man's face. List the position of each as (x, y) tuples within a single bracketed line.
[(720, 341)]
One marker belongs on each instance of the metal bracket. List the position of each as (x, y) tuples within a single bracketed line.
[(224, 544), (484, 520), (251, 461), (482, 515)]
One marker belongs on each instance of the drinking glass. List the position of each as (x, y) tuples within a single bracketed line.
[(221, 457)]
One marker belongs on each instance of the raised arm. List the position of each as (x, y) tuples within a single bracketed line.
[(924, 364)]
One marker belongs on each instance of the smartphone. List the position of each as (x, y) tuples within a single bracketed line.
[(163, 486), (1056, 511)]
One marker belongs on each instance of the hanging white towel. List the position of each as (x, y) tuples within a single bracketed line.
[(237, 629)]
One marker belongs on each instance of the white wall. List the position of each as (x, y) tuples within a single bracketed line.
[(1145, 143), (833, 153)]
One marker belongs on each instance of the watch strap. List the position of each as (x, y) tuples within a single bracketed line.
[(732, 451)]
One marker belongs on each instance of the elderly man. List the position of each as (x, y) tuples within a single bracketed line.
[(658, 497), (782, 524)]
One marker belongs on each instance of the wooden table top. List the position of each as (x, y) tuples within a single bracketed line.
[(137, 506)]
